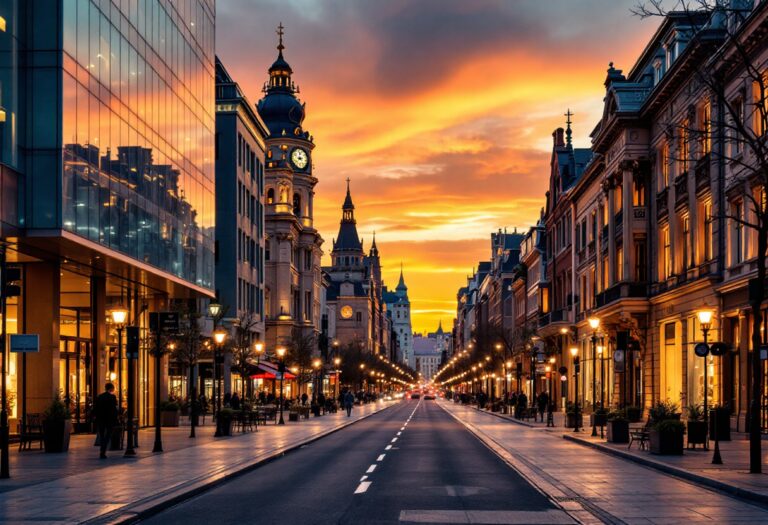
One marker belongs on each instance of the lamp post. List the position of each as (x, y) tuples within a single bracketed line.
[(219, 336), (576, 369), (594, 324), (119, 315), (281, 355), (214, 311), (705, 320), (600, 351), (318, 382), (337, 363)]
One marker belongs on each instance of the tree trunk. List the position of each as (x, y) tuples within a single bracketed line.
[(755, 460)]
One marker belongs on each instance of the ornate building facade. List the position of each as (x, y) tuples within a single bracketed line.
[(293, 247), (399, 311), (357, 313)]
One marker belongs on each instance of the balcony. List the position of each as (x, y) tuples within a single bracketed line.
[(661, 203), (620, 291), (702, 175), (681, 189)]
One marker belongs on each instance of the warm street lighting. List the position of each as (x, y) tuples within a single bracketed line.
[(119, 315), (337, 361), (594, 323), (705, 318), (219, 336), (258, 348), (281, 354), (214, 309), (575, 355)]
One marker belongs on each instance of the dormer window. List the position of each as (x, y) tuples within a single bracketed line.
[(658, 70)]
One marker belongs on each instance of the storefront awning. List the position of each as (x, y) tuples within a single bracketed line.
[(267, 370)]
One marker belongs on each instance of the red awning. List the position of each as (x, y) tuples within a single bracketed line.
[(271, 371)]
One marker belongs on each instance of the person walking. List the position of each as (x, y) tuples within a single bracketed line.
[(542, 401), (304, 398), (349, 402), (235, 401), (105, 413)]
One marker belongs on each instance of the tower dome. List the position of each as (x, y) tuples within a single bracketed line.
[(281, 111)]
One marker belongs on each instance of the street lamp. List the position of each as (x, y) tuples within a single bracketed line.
[(705, 320), (281, 355), (119, 315), (576, 366), (316, 365), (214, 309), (600, 350), (594, 324), (336, 363), (219, 336)]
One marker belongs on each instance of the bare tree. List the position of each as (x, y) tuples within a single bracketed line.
[(187, 351), (242, 348), (737, 130), (301, 351)]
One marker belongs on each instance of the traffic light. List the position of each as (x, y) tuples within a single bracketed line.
[(12, 282)]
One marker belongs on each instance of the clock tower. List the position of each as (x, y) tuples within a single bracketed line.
[(293, 245)]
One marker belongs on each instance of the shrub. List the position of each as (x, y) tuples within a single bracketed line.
[(169, 406), (663, 410), (670, 426), (695, 413), (56, 410), (617, 415)]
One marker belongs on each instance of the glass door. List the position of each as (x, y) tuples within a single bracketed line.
[(76, 380)]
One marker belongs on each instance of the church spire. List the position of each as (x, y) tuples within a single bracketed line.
[(374, 248), (401, 285), (568, 131), (348, 239), (348, 208)]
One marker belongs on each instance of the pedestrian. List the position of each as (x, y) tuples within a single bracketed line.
[(262, 398), (105, 414), (227, 399), (522, 405), (235, 401), (304, 398), (349, 401), (321, 401), (542, 401)]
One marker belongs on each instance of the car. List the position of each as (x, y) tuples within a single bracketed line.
[(415, 395), (429, 396)]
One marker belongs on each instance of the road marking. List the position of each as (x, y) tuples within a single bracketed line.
[(363, 478), (388, 447), (399, 433), (371, 469), (402, 428), (362, 487), (381, 458), (393, 440)]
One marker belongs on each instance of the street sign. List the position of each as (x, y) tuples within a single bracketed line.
[(132, 342), (764, 352), (25, 343), (541, 368), (167, 322), (718, 349), (701, 349)]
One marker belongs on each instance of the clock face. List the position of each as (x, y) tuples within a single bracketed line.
[(346, 312), (299, 158)]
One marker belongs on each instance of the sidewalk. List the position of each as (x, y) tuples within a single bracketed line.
[(77, 487), (694, 465), (595, 487)]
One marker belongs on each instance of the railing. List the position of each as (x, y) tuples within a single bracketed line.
[(702, 174), (681, 188), (661, 203), (620, 291)]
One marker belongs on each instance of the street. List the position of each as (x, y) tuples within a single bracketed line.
[(410, 463)]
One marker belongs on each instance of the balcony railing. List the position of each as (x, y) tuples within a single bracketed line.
[(661, 203), (702, 174), (681, 188), (621, 291)]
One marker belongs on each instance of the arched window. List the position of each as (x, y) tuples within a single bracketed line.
[(296, 204), (271, 196)]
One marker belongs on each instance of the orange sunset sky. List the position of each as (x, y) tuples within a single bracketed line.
[(439, 111)]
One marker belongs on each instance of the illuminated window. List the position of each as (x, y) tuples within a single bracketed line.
[(618, 197), (707, 208), (619, 264), (706, 129), (664, 166), (665, 265), (638, 193), (684, 147), (271, 196)]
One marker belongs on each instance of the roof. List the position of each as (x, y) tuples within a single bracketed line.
[(334, 290)]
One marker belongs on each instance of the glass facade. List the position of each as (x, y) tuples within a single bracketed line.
[(137, 131)]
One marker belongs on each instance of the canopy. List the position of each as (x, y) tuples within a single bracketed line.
[(269, 370)]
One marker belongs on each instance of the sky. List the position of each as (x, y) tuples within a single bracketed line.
[(441, 113)]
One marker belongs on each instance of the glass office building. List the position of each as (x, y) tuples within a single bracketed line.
[(107, 194)]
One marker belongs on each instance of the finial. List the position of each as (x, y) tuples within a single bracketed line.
[(568, 131), (280, 34), (348, 184)]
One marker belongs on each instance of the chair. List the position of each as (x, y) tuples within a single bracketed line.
[(31, 430), (642, 435)]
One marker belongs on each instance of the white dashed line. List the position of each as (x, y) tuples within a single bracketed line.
[(381, 458), (393, 440), (388, 447), (370, 469), (399, 433), (363, 478), (362, 487)]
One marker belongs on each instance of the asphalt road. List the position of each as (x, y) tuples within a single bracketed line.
[(412, 463)]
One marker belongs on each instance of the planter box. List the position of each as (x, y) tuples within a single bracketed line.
[(697, 433), (169, 418), (571, 420), (116, 438), (666, 443), (598, 420), (224, 425), (56, 435), (618, 431), (722, 430), (293, 416)]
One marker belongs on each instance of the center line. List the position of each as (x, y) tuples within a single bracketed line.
[(388, 447), (381, 458), (363, 478), (362, 487), (371, 469), (393, 440), (399, 433)]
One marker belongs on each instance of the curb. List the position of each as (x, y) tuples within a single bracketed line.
[(502, 416), (142, 509), (731, 490)]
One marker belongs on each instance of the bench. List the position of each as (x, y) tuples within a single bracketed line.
[(641, 435), (31, 431)]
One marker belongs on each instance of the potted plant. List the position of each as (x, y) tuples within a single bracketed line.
[(697, 428), (169, 413), (634, 414), (57, 426), (570, 415), (224, 420), (666, 437), (720, 423), (618, 427), (599, 417), (664, 410)]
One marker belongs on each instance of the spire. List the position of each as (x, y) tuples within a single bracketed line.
[(348, 208), (280, 34), (374, 248), (348, 238), (568, 131), (401, 285), (440, 328)]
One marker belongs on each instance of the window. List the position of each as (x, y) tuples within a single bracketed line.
[(267, 251), (685, 224), (271, 196), (706, 129), (664, 166), (761, 106), (297, 204), (604, 272), (707, 232), (640, 262), (619, 263), (738, 233), (618, 198), (307, 306), (638, 193), (683, 147), (665, 265), (737, 110), (359, 317)]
